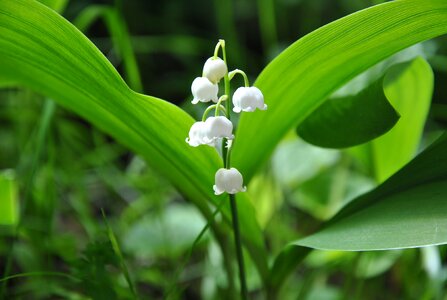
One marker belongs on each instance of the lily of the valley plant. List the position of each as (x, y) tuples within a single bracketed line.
[(218, 130)]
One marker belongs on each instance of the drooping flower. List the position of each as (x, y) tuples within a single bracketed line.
[(248, 99), (203, 90), (229, 181), (216, 128), (196, 134), (210, 131), (215, 69)]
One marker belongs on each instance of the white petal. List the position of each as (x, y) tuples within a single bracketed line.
[(204, 90), (196, 134), (218, 127), (248, 99), (217, 191), (228, 180)]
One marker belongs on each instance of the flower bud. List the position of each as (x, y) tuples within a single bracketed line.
[(248, 99), (216, 128), (203, 90), (215, 69), (228, 180)]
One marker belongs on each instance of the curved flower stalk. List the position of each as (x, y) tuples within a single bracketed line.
[(218, 130)]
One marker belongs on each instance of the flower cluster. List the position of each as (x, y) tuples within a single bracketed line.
[(213, 130)]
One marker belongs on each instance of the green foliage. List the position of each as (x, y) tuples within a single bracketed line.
[(57, 5), (46, 53), (59, 157), (92, 270), (120, 36), (394, 222), (389, 217), (342, 49), (410, 92), (331, 124), (9, 199)]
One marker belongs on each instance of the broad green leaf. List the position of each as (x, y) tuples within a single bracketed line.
[(351, 120), (410, 93), (41, 50), (300, 79), (6, 83), (9, 199), (396, 221), (407, 210)]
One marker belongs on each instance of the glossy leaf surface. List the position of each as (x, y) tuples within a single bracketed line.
[(41, 50), (300, 79)]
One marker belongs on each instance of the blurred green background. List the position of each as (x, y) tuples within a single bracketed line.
[(57, 172)]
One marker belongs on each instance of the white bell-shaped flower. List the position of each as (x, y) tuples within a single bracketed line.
[(228, 180), (204, 90), (215, 69), (196, 134), (217, 128), (248, 99)]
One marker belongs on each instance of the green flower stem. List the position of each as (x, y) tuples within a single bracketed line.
[(237, 71), (239, 254), (234, 215), (226, 157), (220, 106), (220, 44), (217, 107)]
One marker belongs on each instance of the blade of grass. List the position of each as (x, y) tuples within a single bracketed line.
[(119, 254), (9, 198), (42, 131), (31, 274), (120, 36)]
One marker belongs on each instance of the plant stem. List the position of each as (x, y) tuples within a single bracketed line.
[(227, 91), (227, 164), (237, 241), (237, 71)]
